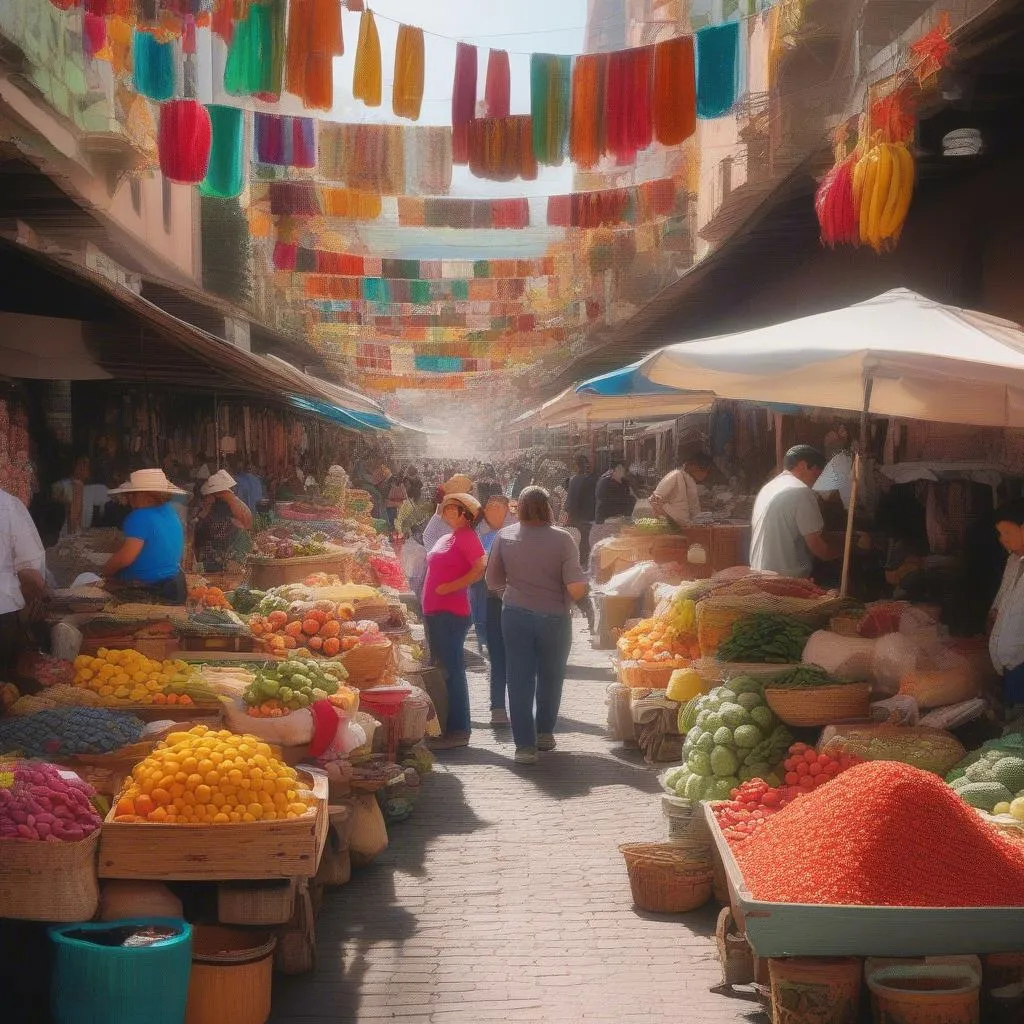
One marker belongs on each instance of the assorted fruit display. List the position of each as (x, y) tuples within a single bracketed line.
[(324, 628), (291, 684), (40, 801), (129, 676), (992, 777), (206, 776), (662, 639), (283, 542)]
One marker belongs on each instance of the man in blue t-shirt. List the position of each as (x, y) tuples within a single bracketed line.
[(154, 539)]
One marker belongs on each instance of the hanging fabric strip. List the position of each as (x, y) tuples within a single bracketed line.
[(501, 148), (285, 141), (184, 136), (463, 100), (717, 49), (586, 120), (314, 40), (498, 87), (428, 160), (675, 97), (255, 63), (367, 157), (550, 79), (366, 76), (349, 204), (153, 66), (407, 90), (225, 175), (628, 102)]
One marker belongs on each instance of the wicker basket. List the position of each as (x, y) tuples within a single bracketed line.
[(231, 976), (265, 573), (821, 705), (49, 881), (368, 664), (667, 878), (256, 903), (640, 675)]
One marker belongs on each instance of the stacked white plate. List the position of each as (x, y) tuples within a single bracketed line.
[(962, 142)]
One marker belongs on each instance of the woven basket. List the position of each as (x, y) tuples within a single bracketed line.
[(265, 573), (368, 664), (714, 625), (296, 942), (821, 705), (666, 878), (231, 976), (640, 675), (252, 903), (49, 881)]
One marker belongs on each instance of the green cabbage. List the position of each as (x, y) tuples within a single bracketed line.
[(724, 761)]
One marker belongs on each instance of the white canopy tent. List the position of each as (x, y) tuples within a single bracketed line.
[(899, 354), (571, 407)]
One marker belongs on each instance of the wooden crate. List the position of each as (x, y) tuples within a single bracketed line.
[(167, 712), (192, 853), (158, 648)]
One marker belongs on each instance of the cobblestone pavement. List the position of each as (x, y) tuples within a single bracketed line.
[(504, 897)]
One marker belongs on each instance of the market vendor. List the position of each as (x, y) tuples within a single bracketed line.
[(1006, 641), (676, 495), (22, 583), (786, 530), (613, 499), (154, 539), (222, 524)]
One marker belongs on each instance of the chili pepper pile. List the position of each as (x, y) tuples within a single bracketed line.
[(765, 638), (882, 834)]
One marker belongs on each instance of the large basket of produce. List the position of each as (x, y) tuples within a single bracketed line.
[(369, 663), (645, 675), (49, 834), (821, 705), (765, 638), (666, 878), (277, 572)]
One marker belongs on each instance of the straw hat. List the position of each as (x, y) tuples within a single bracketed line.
[(458, 484), (222, 480), (467, 501), (148, 481)]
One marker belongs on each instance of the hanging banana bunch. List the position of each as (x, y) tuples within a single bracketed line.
[(883, 186)]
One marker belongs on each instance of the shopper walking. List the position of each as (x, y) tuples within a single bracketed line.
[(454, 563), (580, 506), (496, 516), (536, 567)]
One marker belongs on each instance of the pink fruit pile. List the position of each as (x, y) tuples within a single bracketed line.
[(38, 802)]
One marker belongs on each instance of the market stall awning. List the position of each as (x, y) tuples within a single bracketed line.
[(337, 414), (924, 360), (573, 407), (630, 380), (46, 348)]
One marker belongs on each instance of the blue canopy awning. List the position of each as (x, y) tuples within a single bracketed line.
[(346, 417), (630, 380)]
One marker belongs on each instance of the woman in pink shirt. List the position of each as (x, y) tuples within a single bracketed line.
[(455, 562)]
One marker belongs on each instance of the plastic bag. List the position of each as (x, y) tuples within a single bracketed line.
[(369, 836), (291, 730), (940, 680), (955, 715), (896, 711), (894, 656), (65, 641), (634, 581), (931, 750), (845, 657)]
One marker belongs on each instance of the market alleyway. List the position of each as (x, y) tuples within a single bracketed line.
[(505, 897)]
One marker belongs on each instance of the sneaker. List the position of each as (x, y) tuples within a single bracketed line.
[(449, 741), (499, 716), (546, 741), (526, 755)]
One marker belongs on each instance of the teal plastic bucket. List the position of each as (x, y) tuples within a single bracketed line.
[(95, 983)]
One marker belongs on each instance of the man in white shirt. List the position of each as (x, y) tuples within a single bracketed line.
[(676, 495), (786, 526), (1006, 641), (22, 563)]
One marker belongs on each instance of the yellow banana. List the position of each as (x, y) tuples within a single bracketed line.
[(887, 224), (879, 194), (859, 169), (870, 172), (906, 160)]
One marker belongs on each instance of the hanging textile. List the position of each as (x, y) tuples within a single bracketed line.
[(222, 21), (118, 47), (285, 141), (628, 124), (717, 60), (428, 159), (350, 204), (463, 100), (675, 97), (369, 157), (412, 212), (94, 34), (407, 89), (152, 66), (314, 40), (498, 86), (225, 174), (293, 199), (184, 136), (366, 76), (501, 148), (550, 77), (586, 118), (255, 63)]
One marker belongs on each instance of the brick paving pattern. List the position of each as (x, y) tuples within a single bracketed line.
[(504, 897)]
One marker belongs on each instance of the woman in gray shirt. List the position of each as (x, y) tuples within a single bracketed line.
[(536, 568)]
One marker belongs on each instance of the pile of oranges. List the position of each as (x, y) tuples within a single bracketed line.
[(128, 675), (209, 597), (320, 630), (212, 777), (656, 640)]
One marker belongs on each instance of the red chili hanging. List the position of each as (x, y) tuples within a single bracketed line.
[(463, 100), (184, 137)]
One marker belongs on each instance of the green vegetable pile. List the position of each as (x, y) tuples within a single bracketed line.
[(765, 639), (802, 677), (295, 682), (991, 775), (731, 736)]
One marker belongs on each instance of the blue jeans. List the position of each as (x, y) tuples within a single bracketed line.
[(1013, 685), (496, 651), (536, 651), (478, 609), (447, 635)]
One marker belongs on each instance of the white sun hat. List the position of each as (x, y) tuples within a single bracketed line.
[(222, 480), (148, 481)]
